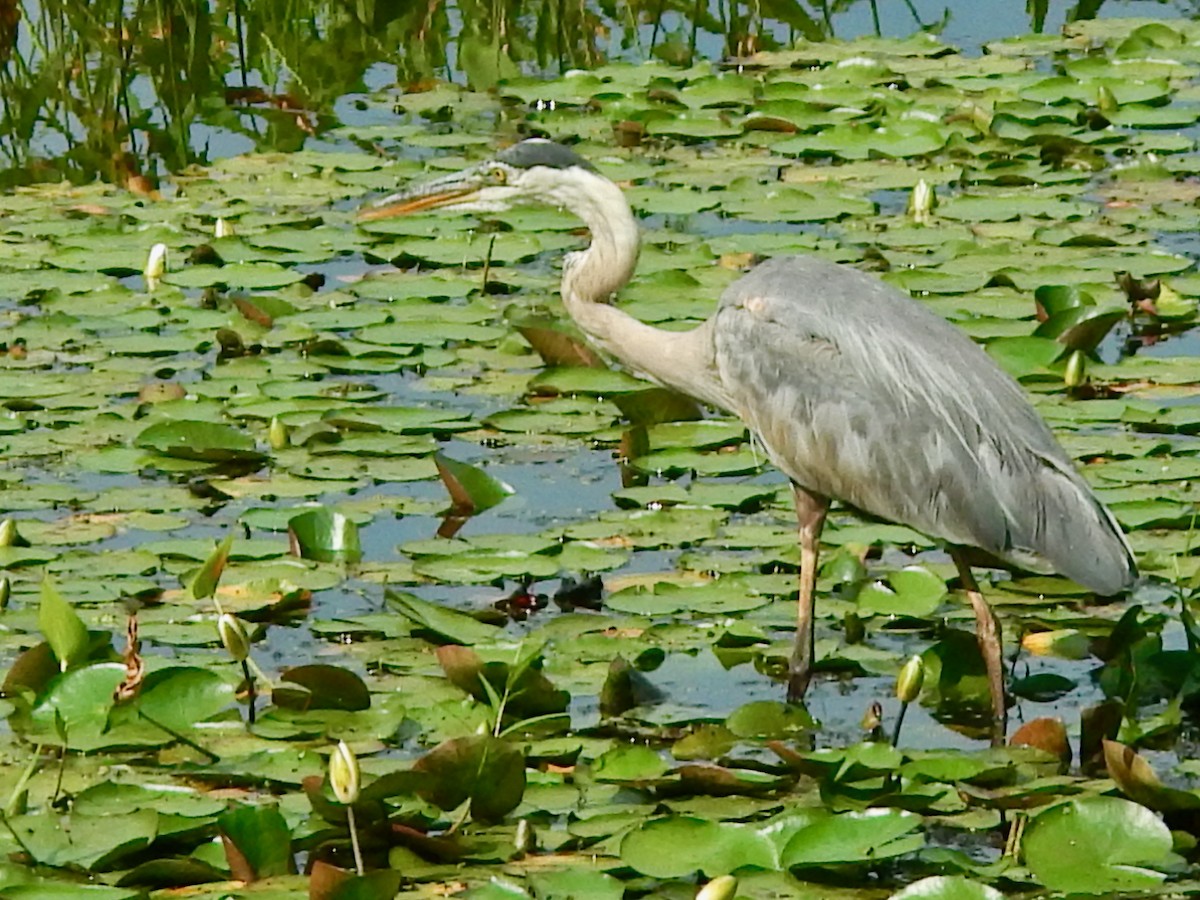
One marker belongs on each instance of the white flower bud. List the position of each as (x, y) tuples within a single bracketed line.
[(921, 202), (156, 266)]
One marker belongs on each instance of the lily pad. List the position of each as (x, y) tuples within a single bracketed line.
[(202, 441), (1097, 845)]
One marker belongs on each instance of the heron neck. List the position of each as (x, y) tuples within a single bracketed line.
[(683, 360), (596, 274)]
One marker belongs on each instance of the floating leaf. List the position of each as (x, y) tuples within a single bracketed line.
[(322, 687), (179, 697), (854, 837), (96, 842), (1097, 845), (203, 441), (576, 882), (911, 591), (679, 846), (444, 625)]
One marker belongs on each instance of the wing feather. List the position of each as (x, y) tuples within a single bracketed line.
[(859, 393)]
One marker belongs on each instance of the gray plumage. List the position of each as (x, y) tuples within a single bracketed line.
[(857, 392), (540, 152), (861, 394)]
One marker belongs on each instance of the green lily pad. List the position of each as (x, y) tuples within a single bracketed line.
[(854, 837), (249, 276), (912, 591), (1097, 845), (201, 441), (443, 625), (679, 846)]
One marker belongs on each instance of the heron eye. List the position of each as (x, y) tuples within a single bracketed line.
[(500, 176)]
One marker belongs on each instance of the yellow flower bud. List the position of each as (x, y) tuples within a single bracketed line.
[(343, 774), (277, 434), (723, 887), (5, 591), (8, 533), (910, 679), (222, 229), (233, 636), (156, 266)]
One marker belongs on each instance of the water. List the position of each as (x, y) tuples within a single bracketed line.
[(182, 111)]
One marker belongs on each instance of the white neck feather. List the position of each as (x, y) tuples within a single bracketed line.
[(682, 360)]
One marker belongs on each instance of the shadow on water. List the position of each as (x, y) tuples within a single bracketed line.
[(128, 92)]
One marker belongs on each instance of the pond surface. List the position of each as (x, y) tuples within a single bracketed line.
[(293, 380), (164, 98)]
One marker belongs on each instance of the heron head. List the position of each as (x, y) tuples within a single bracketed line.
[(534, 171)]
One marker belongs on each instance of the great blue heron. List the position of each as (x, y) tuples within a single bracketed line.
[(855, 390)]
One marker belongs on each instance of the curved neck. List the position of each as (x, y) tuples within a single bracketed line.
[(597, 273), (682, 360)]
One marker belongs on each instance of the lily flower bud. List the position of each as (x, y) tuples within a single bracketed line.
[(723, 887), (910, 680), (233, 636), (525, 840), (1076, 373), (277, 434), (921, 202), (156, 266), (343, 774)]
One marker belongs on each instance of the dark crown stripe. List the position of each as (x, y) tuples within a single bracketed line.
[(540, 152)]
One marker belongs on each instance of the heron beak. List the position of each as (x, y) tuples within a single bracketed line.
[(431, 195)]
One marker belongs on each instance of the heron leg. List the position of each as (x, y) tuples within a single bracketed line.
[(987, 632), (810, 515)]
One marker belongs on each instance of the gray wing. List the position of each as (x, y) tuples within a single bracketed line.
[(860, 394)]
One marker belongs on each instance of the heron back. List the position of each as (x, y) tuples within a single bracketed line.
[(861, 394)]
